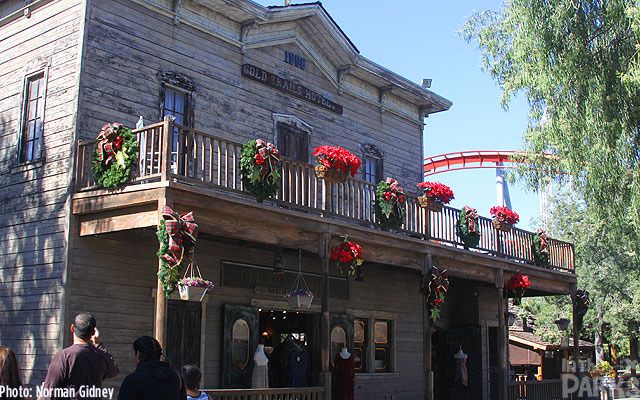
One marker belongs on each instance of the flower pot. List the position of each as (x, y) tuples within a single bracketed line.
[(430, 204), (300, 301), (501, 225), (191, 293), (330, 175)]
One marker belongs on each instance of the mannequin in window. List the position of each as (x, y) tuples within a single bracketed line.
[(344, 374), (260, 375), (461, 376)]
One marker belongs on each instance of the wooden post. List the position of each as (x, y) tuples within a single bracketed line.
[(167, 144), (426, 323), (161, 301), (576, 333), (502, 337), (325, 322)]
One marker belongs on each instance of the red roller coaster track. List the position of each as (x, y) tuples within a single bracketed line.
[(469, 160)]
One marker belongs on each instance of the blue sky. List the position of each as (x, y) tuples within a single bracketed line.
[(418, 39)]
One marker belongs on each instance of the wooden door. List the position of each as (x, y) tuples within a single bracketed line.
[(184, 322), (240, 339), (469, 339)]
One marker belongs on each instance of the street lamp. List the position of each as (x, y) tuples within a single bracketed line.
[(562, 324), (512, 318)]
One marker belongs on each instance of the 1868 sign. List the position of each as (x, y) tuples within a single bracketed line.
[(286, 86)]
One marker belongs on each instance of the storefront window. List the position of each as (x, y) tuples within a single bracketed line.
[(240, 348), (382, 331), (360, 344)]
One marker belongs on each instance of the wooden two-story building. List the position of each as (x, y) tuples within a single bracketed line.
[(206, 76)]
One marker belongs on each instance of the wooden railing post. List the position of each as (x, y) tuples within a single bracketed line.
[(167, 148)]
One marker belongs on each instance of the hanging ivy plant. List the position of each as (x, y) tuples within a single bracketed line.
[(467, 227), (390, 200), (115, 154)]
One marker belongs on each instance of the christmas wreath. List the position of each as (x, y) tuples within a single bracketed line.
[(348, 257), (390, 204), (540, 248), (435, 286), (467, 227), (260, 168), (116, 151)]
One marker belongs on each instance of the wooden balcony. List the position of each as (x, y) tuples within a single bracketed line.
[(307, 393), (174, 153)]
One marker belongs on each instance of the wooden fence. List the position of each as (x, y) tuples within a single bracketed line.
[(308, 393), (171, 151)]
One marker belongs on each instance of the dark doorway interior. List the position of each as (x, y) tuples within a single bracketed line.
[(292, 344)]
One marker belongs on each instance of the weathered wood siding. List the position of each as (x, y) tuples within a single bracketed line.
[(114, 276), (128, 45), (33, 197)]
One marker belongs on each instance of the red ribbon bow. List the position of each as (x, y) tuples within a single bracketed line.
[(183, 233), (472, 216), (543, 241), (108, 141)]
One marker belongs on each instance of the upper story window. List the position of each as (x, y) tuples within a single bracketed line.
[(294, 144), (372, 163), (177, 101), (175, 105), (30, 148)]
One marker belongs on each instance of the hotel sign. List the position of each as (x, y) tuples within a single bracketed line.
[(292, 88)]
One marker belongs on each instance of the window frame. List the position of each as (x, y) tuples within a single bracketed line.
[(386, 346), (372, 151), (370, 317), (41, 69)]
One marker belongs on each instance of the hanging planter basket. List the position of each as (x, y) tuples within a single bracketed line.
[(299, 296), (501, 225), (330, 175), (430, 203), (192, 287)]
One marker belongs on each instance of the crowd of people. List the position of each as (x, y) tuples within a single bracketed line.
[(87, 363)]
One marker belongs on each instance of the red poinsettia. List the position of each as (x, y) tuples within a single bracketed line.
[(437, 191), (348, 257), (504, 214), (518, 282), (335, 157)]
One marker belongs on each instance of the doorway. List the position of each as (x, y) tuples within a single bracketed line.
[(291, 342)]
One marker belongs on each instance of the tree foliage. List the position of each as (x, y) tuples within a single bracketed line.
[(576, 63)]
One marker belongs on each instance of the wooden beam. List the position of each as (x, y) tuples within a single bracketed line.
[(83, 204), (502, 336), (325, 322), (114, 223), (426, 323)]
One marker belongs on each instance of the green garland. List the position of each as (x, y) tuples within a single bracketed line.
[(470, 239), (118, 171), (167, 275), (261, 180), (389, 212), (540, 258)]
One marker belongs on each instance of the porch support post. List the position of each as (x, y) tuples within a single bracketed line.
[(576, 333), (502, 337), (161, 302), (426, 327), (325, 322)]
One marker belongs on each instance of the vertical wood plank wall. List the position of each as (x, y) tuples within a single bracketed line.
[(32, 197)]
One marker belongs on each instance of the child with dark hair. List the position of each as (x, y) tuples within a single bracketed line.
[(153, 379), (191, 376)]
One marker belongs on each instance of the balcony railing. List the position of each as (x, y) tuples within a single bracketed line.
[(173, 152), (308, 393)]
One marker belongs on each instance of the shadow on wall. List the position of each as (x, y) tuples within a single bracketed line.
[(32, 215)]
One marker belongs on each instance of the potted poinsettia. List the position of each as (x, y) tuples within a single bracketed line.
[(348, 257), (467, 227), (193, 288), (115, 154), (435, 195), (504, 218), (260, 168), (517, 286), (300, 298), (390, 202), (335, 163)]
